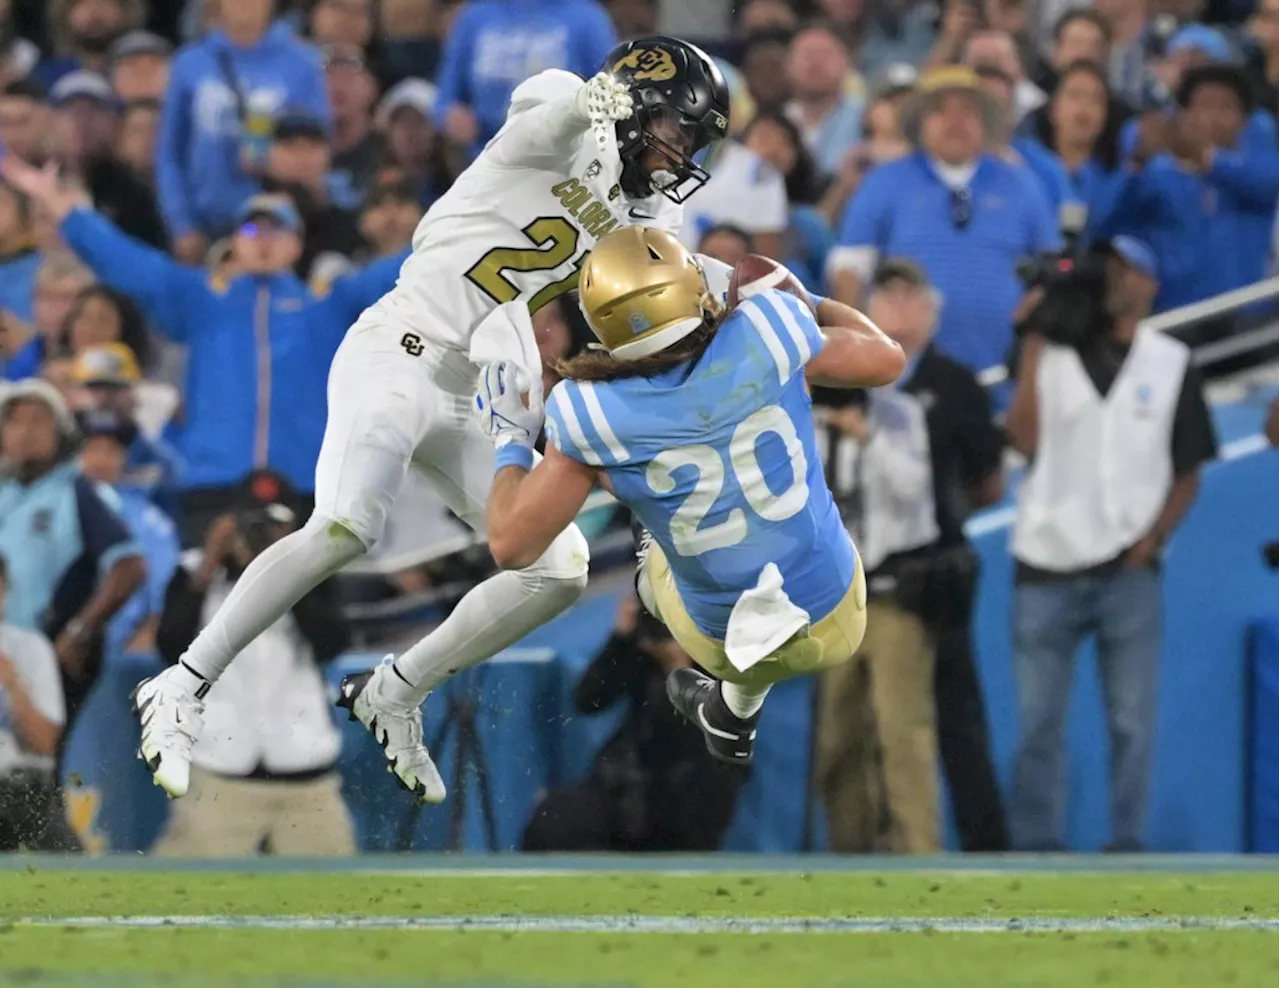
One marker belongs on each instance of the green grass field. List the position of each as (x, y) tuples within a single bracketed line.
[(1146, 929)]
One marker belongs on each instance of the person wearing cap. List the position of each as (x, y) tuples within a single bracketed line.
[(224, 91), (827, 97), (964, 215), (32, 716), (263, 770), (86, 116), (138, 67), (73, 561), (1116, 429), (83, 32), (356, 146), (259, 342), (111, 382), (405, 119), (1205, 199), (298, 166), (965, 450), (492, 47), (108, 436)]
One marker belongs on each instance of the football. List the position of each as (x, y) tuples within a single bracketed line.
[(755, 273)]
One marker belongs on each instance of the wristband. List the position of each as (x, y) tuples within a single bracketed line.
[(513, 455)]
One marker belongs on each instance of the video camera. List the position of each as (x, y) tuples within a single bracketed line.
[(1074, 286)]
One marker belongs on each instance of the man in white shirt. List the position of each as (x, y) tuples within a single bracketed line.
[(32, 714), (1116, 428)]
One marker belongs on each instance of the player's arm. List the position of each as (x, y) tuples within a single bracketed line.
[(855, 352), (551, 112), (529, 508)]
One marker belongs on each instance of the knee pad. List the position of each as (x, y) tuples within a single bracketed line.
[(566, 560)]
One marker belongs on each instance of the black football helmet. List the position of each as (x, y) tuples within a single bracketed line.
[(681, 111)]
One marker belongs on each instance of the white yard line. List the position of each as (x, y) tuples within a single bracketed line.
[(677, 924)]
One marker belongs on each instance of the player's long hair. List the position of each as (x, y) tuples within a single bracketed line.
[(600, 365)]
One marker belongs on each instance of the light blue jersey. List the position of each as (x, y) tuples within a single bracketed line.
[(719, 461)]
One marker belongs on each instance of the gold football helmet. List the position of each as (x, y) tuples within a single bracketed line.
[(641, 291)]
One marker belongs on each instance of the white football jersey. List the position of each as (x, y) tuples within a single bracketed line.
[(520, 221)]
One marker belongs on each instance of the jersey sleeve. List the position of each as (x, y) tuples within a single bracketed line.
[(785, 328), (579, 426), (106, 538), (544, 127)]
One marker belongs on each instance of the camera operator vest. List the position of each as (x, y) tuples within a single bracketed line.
[(1103, 465)]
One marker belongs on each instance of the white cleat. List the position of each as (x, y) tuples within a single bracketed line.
[(398, 730), (171, 723)]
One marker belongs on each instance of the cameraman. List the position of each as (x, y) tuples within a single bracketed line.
[(652, 787), (263, 770), (1112, 417)]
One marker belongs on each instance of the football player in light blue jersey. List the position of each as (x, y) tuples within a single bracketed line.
[(699, 420)]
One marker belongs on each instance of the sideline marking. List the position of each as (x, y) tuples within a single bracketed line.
[(678, 924)]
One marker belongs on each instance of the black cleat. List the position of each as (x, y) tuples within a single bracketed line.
[(350, 688), (697, 698)]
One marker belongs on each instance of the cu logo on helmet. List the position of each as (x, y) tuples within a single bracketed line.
[(649, 64)]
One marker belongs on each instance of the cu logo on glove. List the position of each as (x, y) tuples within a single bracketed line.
[(412, 344), (653, 64)]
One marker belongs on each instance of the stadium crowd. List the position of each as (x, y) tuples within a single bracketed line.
[(228, 183)]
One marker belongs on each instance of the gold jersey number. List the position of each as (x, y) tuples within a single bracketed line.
[(555, 241)]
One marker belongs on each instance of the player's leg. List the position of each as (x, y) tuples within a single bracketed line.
[(457, 459), (375, 419)]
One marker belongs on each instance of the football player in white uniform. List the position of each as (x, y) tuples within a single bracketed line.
[(574, 161)]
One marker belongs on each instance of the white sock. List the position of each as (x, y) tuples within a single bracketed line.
[(741, 701), (496, 613), (275, 581)]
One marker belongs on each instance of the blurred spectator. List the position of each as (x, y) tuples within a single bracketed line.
[(342, 22), (24, 120), (960, 18), (356, 148), (101, 316), (965, 216), (224, 93), (107, 438), (18, 257), (136, 139), (109, 380), (763, 16), (32, 715), (996, 49), (889, 32), (1045, 170), (409, 33), (83, 32), (1190, 48), (764, 70), (60, 279), (824, 105), (743, 191), (59, 370), (652, 786), (85, 120), (139, 67), (808, 236), (391, 214), (1206, 199), (1263, 54), (259, 341), (1110, 480), (633, 18), (1078, 129), (965, 451), (876, 759), (298, 166), (262, 773), (494, 45), (72, 561), (404, 119), (1127, 67), (727, 244), (18, 55), (1080, 35)]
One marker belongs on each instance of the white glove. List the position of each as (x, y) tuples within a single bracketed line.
[(502, 414), (604, 101)]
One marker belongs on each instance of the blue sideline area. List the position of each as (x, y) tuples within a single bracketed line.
[(1216, 765)]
